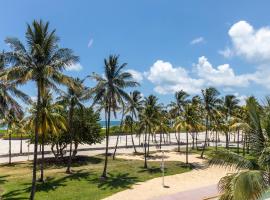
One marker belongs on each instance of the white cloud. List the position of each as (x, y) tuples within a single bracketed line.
[(75, 67), (252, 44), (242, 98), (227, 52), (222, 75), (169, 79), (197, 40), (137, 76), (90, 43)]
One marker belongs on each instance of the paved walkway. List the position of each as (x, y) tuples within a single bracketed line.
[(194, 185)]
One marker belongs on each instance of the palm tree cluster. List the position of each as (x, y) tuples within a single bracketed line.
[(59, 111)]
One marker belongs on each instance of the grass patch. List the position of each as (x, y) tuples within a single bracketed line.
[(84, 183), (15, 136)]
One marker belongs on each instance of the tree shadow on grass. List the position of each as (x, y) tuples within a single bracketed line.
[(150, 170), (3, 179), (76, 161), (116, 181), (50, 184)]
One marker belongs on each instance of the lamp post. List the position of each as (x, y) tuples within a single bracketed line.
[(162, 168)]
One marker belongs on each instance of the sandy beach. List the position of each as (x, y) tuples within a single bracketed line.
[(194, 185)]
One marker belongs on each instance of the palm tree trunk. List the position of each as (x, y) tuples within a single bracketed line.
[(196, 140), (186, 147), (104, 174), (238, 140), (116, 145), (177, 140), (216, 140), (131, 133), (193, 140), (145, 139), (160, 140), (244, 144), (42, 159), (9, 146), (227, 140), (21, 145), (34, 176), (126, 139), (117, 139), (75, 151), (148, 143), (68, 171), (206, 135)]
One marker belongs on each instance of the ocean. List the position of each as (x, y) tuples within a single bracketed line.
[(113, 123)]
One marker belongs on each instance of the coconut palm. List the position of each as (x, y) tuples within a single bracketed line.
[(11, 120), (229, 106), (177, 107), (148, 117), (133, 108), (41, 61), (74, 98), (251, 181), (10, 109), (210, 102), (110, 92), (51, 123)]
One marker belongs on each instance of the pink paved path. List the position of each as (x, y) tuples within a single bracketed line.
[(196, 194)]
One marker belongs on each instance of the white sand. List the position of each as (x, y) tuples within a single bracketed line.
[(168, 156), (192, 180)]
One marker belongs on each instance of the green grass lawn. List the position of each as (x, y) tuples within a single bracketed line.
[(84, 183)]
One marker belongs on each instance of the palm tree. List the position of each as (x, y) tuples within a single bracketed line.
[(110, 92), (76, 95), (252, 179), (42, 62), (133, 107), (11, 119), (51, 123), (148, 117), (229, 106), (210, 102), (177, 107), (10, 109)]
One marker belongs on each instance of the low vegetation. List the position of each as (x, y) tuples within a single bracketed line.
[(85, 182)]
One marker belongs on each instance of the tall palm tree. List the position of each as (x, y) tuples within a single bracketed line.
[(229, 106), (11, 120), (252, 179), (210, 102), (41, 61), (51, 123), (75, 96), (177, 108), (149, 117), (133, 107), (10, 109), (110, 92)]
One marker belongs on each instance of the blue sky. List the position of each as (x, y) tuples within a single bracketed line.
[(171, 45)]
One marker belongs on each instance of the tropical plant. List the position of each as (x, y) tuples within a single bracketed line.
[(133, 107), (110, 93), (77, 94), (210, 103), (42, 62), (177, 108), (251, 180), (148, 118)]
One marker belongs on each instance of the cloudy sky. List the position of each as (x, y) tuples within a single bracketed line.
[(168, 45)]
